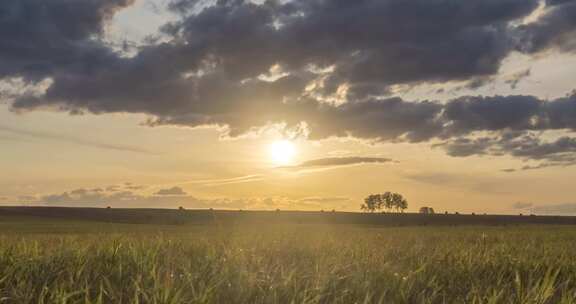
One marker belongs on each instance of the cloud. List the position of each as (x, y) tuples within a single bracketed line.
[(211, 52), (127, 186), (555, 29), (341, 161), (92, 197), (521, 205), (210, 65), (127, 199), (560, 209), (515, 78), (72, 139), (226, 181), (328, 67), (328, 199), (541, 166), (113, 188), (177, 191), (38, 41), (135, 187), (468, 182), (526, 146), (27, 198)]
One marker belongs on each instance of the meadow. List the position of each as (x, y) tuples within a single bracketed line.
[(45, 260)]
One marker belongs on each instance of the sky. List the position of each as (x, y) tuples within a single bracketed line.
[(465, 106)]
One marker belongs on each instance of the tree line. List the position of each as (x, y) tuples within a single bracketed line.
[(385, 202)]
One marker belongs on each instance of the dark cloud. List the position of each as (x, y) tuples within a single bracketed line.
[(467, 114), (462, 147), (386, 119), (395, 119), (341, 161), (327, 65), (527, 146), (208, 67), (517, 124), (555, 29), (39, 40), (171, 191)]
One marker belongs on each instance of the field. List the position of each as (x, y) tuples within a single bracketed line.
[(51, 260)]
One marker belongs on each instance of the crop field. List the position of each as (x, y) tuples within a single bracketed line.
[(66, 261)]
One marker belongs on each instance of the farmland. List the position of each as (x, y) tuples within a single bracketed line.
[(46, 259)]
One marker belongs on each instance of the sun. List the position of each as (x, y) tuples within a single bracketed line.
[(282, 152)]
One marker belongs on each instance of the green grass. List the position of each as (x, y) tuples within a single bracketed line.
[(51, 261)]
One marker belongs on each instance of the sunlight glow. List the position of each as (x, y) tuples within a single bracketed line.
[(282, 152)]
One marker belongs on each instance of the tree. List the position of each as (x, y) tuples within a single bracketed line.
[(394, 201), (400, 203), (371, 203), (387, 201)]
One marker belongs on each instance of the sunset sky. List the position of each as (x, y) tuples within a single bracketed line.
[(465, 106)]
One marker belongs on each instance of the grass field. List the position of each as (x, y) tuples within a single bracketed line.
[(64, 261)]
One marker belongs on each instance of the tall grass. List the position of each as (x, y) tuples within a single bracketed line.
[(290, 264)]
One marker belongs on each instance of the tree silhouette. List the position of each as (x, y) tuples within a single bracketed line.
[(399, 202), (387, 201), (403, 205), (371, 203)]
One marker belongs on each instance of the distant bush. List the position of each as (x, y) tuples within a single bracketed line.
[(426, 210)]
